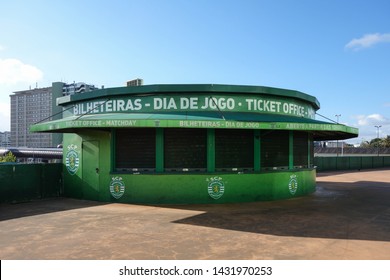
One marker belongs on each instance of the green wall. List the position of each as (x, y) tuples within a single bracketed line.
[(94, 151), (191, 188), (351, 163), (23, 182), (56, 111)]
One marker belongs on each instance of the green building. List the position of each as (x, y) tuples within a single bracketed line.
[(190, 143)]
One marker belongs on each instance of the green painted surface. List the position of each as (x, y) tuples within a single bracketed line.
[(89, 153), (23, 182), (257, 151), (170, 188), (94, 151), (90, 167), (377, 162), (151, 120), (342, 163), (200, 103), (159, 150), (112, 148), (291, 150), (195, 106), (309, 152), (193, 188), (195, 89), (210, 150), (57, 138), (351, 162)]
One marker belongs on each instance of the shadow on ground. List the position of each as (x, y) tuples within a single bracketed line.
[(45, 206), (358, 211)]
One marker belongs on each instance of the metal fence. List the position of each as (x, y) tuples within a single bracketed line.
[(24, 182), (328, 163), (352, 151)]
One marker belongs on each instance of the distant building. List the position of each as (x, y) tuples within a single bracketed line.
[(5, 139), (69, 89), (32, 106), (27, 108), (135, 82)]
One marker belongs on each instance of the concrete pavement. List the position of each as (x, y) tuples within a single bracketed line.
[(348, 217)]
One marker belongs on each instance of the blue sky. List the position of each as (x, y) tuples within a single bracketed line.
[(337, 51)]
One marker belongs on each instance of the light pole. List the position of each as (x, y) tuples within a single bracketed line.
[(337, 141), (377, 136), (377, 130)]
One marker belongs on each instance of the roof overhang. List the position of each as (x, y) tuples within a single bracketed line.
[(320, 130)]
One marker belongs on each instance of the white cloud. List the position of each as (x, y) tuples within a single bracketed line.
[(4, 116), (2, 48), (372, 120), (13, 71), (367, 129), (368, 40)]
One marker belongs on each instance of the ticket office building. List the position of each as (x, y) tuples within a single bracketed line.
[(190, 143)]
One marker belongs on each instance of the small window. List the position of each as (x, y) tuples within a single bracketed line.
[(135, 149), (301, 149), (185, 149), (233, 149), (274, 149)]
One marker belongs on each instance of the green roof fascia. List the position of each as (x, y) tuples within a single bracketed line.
[(189, 88), (236, 121)]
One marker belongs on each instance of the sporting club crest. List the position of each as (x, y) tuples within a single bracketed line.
[(72, 159), (293, 184), (117, 187), (215, 187)]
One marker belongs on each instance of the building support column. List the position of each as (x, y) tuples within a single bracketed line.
[(210, 150), (291, 149), (159, 150), (113, 149), (257, 150), (308, 150)]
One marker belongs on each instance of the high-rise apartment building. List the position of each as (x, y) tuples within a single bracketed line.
[(5, 139), (31, 106), (27, 108)]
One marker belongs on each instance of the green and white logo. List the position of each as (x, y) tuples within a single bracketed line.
[(293, 184), (72, 160), (215, 187), (117, 187)]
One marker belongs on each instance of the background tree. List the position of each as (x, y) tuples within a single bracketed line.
[(375, 142), (9, 157), (385, 142), (365, 144)]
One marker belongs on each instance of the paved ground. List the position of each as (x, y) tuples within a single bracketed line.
[(348, 217)]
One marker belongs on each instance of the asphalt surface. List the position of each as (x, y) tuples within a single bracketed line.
[(348, 217)]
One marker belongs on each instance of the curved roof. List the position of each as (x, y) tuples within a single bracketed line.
[(196, 119), (191, 88)]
